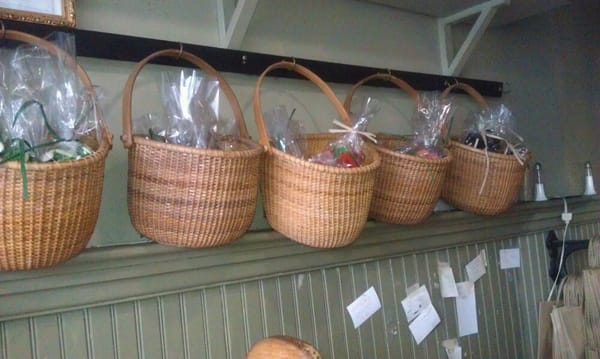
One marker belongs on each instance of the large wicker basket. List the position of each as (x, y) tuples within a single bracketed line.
[(480, 182), (185, 196), (314, 204), (282, 347), (57, 220), (407, 187)]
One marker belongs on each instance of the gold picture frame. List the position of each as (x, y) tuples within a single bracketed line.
[(48, 12)]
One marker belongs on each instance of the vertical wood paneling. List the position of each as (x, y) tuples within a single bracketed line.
[(172, 329), (148, 328), (320, 314), (18, 339), (337, 315), (100, 333), (46, 332), (125, 332), (196, 336), (234, 314), (253, 312), (224, 321), (215, 323), (271, 307)]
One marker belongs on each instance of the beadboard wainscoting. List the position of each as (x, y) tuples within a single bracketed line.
[(151, 301)]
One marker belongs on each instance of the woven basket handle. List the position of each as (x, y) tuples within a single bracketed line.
[(311, 76), (68, 59), (127, 137), (386, 77), (469, 90)]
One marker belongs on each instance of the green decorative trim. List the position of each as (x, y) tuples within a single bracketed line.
[(101, 276)]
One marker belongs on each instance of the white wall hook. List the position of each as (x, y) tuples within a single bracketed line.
[(540, 193), (590, 190)]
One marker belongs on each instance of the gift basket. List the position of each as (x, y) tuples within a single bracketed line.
[(489, 163), (313, 203), (53, 146), (408, 184), (187, 187)]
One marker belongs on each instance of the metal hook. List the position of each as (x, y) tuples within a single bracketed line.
[(180, 51)]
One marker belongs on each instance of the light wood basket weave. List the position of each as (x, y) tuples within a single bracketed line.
[(57, 220), (407, 187), (185, 196), (468, 170), (314, 204), (282, 347)]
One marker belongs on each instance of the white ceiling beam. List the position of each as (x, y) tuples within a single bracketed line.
[(486, 12), (232, 34)]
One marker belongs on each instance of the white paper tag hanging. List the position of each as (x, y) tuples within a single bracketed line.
[(453, 350), (476, 267), (424, 324), (447, 281), (416, 302), (510, 258), (466, 309), (364, 307)]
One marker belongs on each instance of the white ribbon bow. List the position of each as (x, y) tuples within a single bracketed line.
[(347, 129)]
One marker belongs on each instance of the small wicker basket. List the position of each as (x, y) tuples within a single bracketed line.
[(314, 204), (57, 220), (282, 347), (185, 196), (407, 187), (477, 182)]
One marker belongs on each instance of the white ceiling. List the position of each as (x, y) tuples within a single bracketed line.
[(517, 10)]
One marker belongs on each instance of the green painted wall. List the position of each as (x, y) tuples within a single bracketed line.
[(222, 321)]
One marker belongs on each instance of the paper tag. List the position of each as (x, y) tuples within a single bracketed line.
[(476, 268), (453, 350), (412, 288), (510, 258), (447, 282), (416, 302), (364, 307), (466, 309), (424, 324)]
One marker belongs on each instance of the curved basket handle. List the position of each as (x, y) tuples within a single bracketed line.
[(311, 76), (469, 90), (127, 137), (69, 60), (381, 76)]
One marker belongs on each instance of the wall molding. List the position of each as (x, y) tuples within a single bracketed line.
[(101, 276)]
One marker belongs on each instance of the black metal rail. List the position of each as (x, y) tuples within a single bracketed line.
[(131, 48)]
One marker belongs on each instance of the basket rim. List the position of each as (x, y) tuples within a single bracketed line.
[(492, 155), (326, 168), (99, 155), (253, 150), (414, 158)]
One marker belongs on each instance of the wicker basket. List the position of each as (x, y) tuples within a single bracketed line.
[(185, 196), (282, 347), (407, 187), (57, 220), (314, 204), (467, 187)]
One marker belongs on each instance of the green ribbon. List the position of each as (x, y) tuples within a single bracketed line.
[(19, 149)]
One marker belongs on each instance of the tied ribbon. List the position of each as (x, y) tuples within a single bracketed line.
[(347, 129), (19, 149), (509, 146)]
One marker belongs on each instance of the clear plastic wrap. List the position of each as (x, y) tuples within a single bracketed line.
[(285, 132), (46, 113), (493, 130), (431, 121), (347, 152), (190, 101)]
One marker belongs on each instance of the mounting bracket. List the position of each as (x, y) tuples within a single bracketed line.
[(486, 12), (232, 32), (554, 246)]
